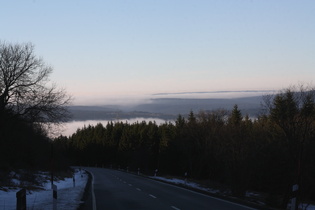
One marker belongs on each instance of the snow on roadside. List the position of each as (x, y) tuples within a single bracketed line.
[(69, 197), (214, 191), (189, 184)]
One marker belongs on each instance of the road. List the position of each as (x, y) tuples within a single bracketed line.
[(120, 190)]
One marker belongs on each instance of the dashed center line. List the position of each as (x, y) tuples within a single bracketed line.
[(152, 196), (175, 208)]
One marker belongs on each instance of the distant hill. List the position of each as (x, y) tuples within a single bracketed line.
[(249, 105), (108, 113), (165, 108)]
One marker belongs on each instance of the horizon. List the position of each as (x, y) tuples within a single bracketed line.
[(135, 100)]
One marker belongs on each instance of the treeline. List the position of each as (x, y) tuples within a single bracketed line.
[(268, 154), (26, 145), (28, 104), (23, 145)]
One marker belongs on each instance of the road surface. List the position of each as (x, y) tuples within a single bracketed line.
[(120, 190)]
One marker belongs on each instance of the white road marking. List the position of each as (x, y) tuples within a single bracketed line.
[(130, 185), (93, 194), (175, 208), (152, 196), (138, 189)]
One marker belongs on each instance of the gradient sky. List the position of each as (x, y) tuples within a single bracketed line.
[(117, 49)]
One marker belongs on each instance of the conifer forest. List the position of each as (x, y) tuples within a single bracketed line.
[(268, 154)]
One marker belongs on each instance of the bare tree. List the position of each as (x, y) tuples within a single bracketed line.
[(25, 88)]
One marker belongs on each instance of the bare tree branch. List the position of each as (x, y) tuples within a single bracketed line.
[(24, 89)]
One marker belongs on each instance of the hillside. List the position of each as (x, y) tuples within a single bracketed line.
[(165, 108)]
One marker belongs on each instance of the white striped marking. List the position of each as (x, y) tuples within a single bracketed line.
[(152, 196), (93, 194), (175, 208)]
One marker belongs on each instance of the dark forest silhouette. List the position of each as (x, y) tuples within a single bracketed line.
[(268, 154), (29, 103)]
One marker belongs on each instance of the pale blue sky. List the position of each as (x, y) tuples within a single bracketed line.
[(131, 49)]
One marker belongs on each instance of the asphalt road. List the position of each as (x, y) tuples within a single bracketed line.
[(116, 190)]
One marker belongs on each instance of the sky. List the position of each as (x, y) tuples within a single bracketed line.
[(106, 51)]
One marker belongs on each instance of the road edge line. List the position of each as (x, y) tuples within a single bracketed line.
[(93, 194), (206, 194)]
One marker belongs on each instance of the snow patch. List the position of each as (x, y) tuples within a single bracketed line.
[(69, 196), (215, 191), (186, 183)]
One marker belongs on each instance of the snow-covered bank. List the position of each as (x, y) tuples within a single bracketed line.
[(193, 185), (186, 183), (69, 197)]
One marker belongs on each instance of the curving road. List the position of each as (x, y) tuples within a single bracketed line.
[(119, 190)]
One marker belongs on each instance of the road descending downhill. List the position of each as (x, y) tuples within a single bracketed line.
[(116, 190)]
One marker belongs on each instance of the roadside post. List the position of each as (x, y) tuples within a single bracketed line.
[(295, 189), (155, 172), (54, 197), (52, 166), (73, 180), (21, 200), (185, 178)]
